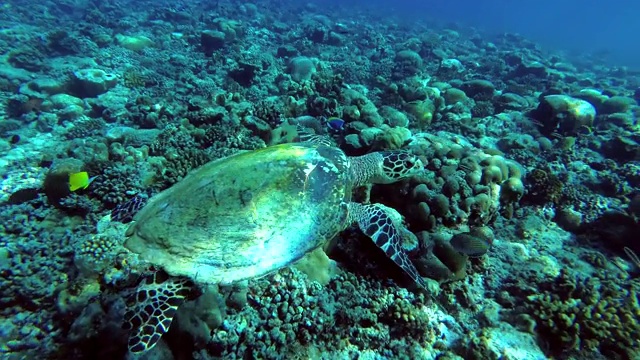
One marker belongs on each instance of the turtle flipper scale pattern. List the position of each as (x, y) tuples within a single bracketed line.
[(150, 310), (377, 223)]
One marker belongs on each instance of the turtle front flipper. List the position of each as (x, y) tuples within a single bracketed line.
[(384, 226), (151, 308)]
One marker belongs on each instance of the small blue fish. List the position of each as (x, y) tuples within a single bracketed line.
[(335, 123)]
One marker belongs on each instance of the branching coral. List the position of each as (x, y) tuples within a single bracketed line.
[(543, 187), (588, 314)]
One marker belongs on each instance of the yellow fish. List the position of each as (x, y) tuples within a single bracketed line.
[(79, 180)]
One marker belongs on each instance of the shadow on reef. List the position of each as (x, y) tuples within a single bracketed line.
[(355, 253), (613, 230)]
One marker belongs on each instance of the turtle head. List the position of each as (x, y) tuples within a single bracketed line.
[(384, 167), (396, 166)]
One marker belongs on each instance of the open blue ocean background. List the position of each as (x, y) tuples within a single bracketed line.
[(607, 29)]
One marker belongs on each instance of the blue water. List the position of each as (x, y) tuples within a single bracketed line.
[(607, 28)]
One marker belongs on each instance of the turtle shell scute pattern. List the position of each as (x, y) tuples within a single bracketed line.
[(246, 215)]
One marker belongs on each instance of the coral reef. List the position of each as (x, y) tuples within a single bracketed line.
[(523, 223)]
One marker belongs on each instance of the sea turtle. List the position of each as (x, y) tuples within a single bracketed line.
[(252, 213)]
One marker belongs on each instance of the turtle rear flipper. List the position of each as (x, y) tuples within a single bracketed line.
[(383, 225), (151, 308)]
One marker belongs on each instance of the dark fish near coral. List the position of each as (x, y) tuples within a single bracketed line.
[(470, 245), (23, 195)]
